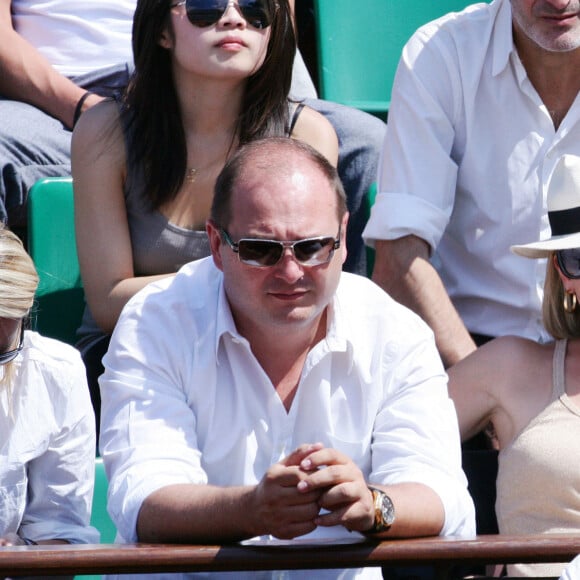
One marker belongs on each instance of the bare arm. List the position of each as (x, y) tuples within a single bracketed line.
[(402, 269), (469, 386), (507, 382), (102, 231), (205, 513), (25, 75)]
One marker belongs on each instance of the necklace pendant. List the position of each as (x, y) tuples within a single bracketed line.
[(192, 175)]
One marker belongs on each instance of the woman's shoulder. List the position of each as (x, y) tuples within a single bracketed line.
[(315, 129), (99, 124), (50, 353)]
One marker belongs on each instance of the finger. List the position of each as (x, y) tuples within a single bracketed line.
[(299, 454), (322, 458), (292, 531), (351, 516), (324, 478), (347, 493)]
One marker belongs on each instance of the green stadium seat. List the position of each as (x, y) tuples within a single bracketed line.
[(359, 45), (52, 246)]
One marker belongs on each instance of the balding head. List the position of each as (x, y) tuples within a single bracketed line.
[(279, 156)]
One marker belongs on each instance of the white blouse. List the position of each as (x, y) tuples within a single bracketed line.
[(47, 445)]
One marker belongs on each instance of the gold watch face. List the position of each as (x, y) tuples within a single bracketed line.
[(387, 511), (384, 510)]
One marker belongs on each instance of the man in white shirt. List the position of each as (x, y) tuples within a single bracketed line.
[(260, 392), (484, 104)]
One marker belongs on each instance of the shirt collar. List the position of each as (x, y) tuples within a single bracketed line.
[(337, 326), (225, 323), (503, 39)]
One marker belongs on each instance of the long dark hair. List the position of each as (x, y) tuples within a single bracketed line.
[(150, 109)]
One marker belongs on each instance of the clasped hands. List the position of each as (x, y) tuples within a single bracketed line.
[(291, 494)]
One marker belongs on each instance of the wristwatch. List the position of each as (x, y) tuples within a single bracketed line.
[(384, 511)]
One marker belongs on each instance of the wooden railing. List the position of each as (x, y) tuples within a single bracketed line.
[(442, 553)]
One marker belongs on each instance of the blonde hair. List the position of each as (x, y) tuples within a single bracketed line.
[(18, 283), (559, 323)]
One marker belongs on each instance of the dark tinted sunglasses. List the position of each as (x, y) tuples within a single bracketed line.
[(569, 262), (10, 355), (202, 13), (265, 253)]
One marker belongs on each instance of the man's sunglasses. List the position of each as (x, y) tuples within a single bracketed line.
[(265, 253), (569, 262), (10, 355), (203, 13)]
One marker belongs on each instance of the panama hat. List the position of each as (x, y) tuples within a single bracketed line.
[(563, 211)]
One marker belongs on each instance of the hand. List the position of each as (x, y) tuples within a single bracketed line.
[(11, 539), (281, 509), (342, 488)]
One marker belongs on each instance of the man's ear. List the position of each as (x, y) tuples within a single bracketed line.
[(343, 226), (215, 242)]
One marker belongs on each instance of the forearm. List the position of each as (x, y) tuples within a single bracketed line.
[(418, 511), (25, 75), (402, 269), (106, 305), (198, 513)]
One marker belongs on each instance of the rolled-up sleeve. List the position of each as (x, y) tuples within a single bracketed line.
[(416, 434), (148, 437), (417, 172)]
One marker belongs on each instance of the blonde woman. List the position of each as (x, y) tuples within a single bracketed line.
[(47, 431), (530, 392)]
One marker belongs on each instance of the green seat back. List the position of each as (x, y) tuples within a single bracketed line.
[(359, 44), (100, 518), (52, 246), (370, 200)]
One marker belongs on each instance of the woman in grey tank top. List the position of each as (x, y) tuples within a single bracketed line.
[(144, 168)]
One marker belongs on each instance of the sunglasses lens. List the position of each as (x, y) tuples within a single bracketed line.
[(314, 252), (569, 261), (256, 12), (259, 253), (203, 13)]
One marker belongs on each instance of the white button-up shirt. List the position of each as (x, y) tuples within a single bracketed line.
[(185, 400), (47, 445), (468, 154)]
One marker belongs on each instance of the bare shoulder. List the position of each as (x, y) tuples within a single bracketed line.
[(505, 364), (508, 357), (506, 381), (98, 136), (315, 129)]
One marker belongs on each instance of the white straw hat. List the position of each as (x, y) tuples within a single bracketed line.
[(563, 211)]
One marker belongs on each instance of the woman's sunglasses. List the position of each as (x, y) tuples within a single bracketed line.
[(202, 13), (265, 253), (10, 355), (569, 262)]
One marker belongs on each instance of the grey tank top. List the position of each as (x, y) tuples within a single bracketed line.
[(159, 247)]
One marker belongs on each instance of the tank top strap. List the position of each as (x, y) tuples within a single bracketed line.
[(294, 117), (558, 369)]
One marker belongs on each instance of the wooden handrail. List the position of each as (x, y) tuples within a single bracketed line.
[(56, 560)]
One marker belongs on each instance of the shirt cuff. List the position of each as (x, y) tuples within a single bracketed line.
[(395, 215)]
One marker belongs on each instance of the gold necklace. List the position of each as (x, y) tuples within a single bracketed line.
[(192, 175)]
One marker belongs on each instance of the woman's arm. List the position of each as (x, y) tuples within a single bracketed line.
[(102, 231), (507, 382)]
